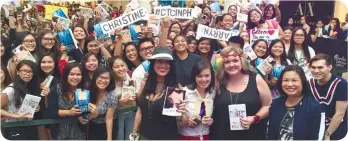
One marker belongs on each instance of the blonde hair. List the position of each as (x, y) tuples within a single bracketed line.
[(221, 75)]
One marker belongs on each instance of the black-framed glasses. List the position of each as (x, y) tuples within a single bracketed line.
[(148, 48), (29, 41), (25, 72)]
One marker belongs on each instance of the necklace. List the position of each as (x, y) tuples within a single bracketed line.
[(152, 101), (235, 100)]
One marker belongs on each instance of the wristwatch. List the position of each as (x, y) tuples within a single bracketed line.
[(327, 133)]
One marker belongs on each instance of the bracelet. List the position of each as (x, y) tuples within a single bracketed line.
[(256, 118)]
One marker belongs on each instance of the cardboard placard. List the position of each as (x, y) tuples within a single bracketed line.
[(212, 33), (124, 20), (50, 9), (267, 34), (177, 13)]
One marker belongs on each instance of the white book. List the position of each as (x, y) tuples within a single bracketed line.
[(26, 55), (250, 52), (48, 83), (236, 111), (30, 103), (265, 64), (128, 91)]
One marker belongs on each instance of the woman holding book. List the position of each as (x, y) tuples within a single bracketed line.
[(277, 52), (25, 82), (149, 121), (300, 52), (125, 120), (260, 48), (103, 95), (239, 88), (200, 93), (62, 104), (296, 115)]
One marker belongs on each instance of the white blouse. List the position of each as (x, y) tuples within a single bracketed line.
[(191, 97)]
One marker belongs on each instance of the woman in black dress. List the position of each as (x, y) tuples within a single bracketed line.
[(238, 84), (149, 121)]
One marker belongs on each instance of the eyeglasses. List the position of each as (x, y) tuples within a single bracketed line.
[(48, 39), (29, 41), (299, 35), (24, 72), (148, 48), (103, 78)]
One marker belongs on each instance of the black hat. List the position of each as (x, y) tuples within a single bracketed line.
[(162, 53)]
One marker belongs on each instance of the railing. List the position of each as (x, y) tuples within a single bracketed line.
[(50, 121)]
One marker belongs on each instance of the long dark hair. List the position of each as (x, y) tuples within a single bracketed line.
[(269, 6), (44, 51), (55, 73), (235, 17), (64, 84), (250, 24), (197, 69), (300, 72), (305, 44), (151, 82), (20, 89), (211, 51), (170, 28), (94, 88), (283, 59), (89, 39), (173, 42), (20, 38), (7, 76), (84, 69), (111, 62), (130, 65), (257, 42)]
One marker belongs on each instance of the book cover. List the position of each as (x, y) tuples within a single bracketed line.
[(29, 104), (265, 65), (236, 111), (82, 98), (67, 39), (250, 52), (126, 37), (128, 91), (48, 83), (26, 55), (203, 108), (173, 97)]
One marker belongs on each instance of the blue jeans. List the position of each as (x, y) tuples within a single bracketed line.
[(125, 125)]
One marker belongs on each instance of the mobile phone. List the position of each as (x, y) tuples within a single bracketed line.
[(85, 116), (197, 120)]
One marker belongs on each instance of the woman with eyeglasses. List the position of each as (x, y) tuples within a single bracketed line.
[(296, 115), (47, 44), (200, 92), (125, 120), (25, 82), (239, 86), (103, 96), (27, 42), (300, 52)]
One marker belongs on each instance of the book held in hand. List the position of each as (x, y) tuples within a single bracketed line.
[(173, 97), (236, 111), (128, 91), (265, 65), (203, 108), (29, 104), (82, 98)]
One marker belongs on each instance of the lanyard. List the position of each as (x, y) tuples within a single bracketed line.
[(235, 100)]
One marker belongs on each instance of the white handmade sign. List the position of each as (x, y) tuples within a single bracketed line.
[(29, 104), (124, 20), (267, 34), (212, 33), (242, 17), (177, 13)]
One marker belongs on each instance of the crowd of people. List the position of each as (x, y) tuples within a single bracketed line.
[(284, 103)]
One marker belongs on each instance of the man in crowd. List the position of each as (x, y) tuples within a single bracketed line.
[(331, 92)]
